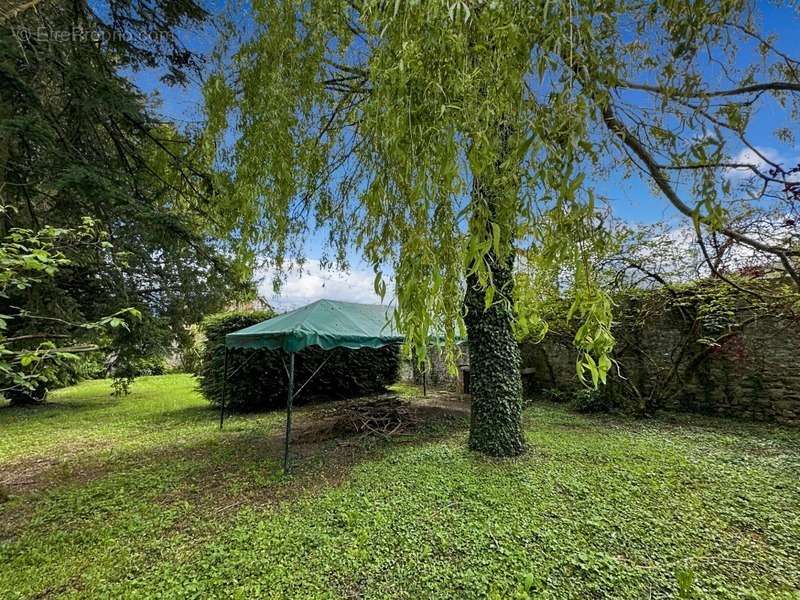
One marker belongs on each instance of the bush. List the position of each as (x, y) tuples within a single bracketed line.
[(59, 374), (149, 365), (260, 383), (555, 395), (591, 401), (188, 354)]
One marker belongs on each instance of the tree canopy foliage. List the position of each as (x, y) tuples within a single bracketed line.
[(452, 142), (78, 140), (371, 120)]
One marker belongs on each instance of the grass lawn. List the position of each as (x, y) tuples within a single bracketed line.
[(144, 497)]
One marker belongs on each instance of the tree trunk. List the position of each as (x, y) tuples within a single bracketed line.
[(494, 363)]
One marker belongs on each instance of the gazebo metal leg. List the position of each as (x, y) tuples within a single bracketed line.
[(289, 398), (224, 389)]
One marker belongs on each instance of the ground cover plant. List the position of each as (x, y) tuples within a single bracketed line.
[(142, 496)]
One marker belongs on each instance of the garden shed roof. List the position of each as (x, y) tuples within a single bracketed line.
[(325, 323)]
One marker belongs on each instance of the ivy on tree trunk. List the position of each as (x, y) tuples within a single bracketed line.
[(494, 358)]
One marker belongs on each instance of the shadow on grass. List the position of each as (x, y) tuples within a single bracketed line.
[(45, 406), (245, 465), (101, 406), (702, 435), (213, 469)]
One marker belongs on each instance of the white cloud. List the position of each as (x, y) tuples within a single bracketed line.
[(756, 158), (316, 283), (677, 256)]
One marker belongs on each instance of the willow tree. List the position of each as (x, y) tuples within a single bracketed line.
[(450, 141)]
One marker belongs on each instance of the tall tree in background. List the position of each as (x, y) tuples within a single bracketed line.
[(78, 140), (448, 140)]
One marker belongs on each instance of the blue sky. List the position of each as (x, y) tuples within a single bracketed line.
[(632, 199)]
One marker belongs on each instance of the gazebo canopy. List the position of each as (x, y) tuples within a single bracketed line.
[(325, 323)]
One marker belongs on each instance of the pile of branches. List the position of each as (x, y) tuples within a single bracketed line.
[(385, 417)]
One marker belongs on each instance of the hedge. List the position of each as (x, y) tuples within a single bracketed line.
[(261, 382)]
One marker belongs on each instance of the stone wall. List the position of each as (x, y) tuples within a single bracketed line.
[(753, 372), (437, 374)]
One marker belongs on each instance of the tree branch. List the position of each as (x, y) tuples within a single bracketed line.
[(33, 336), (631, 141), (20, 9), (771, 86)]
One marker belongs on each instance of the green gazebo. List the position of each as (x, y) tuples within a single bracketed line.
[(328, 324)]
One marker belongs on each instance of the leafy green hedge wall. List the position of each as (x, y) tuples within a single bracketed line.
[(261, 383)]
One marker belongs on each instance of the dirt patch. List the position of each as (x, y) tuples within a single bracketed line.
[(29, 475), (26, 473), (328, 441), (382, 417), (21, 479)]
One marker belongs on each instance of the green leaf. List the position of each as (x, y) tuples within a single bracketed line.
[(592, 366), (489, 296), (523, 148), (496, 238)]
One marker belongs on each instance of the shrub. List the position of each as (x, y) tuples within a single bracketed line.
[(260, 383), (555, 395), (591, 401), (60, 373), (149, 365), (188, 354)]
